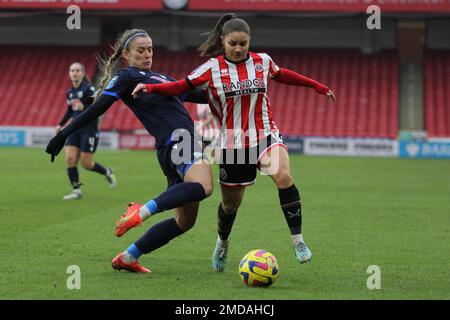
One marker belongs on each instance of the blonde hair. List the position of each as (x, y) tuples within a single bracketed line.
[(122, 43)]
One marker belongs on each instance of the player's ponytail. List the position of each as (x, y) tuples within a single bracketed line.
[(106, 66), (213, 43), (122, 43)]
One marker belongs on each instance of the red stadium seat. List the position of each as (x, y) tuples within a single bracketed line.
[(436, 95), (365, 85), (40, 99)]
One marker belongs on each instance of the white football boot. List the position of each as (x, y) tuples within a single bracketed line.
[(111, 178), (74, 195)]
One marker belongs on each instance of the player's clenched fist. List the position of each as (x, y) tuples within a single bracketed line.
[(141, 87), (55, 145)]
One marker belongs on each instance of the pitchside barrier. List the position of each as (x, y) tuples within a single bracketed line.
[(39, 137), (431, 148), (12, 137), (350, 147), (415, 144)]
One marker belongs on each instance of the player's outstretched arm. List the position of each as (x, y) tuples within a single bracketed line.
[(287, 76), (64, 119), (90, 114), (169, 89)]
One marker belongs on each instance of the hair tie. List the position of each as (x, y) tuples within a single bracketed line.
[(131, 37)]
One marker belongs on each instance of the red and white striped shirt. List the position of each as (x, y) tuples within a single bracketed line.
[(237, 95)]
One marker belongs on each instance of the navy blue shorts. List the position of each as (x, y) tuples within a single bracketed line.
[(175, 164), (86, 141)]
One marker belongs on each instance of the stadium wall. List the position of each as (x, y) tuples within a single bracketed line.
[(48, 30), (180, 32), (438, 33), (177, 32)]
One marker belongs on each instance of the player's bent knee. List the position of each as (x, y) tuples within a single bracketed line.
[(208, 187), (185, 224), (71, 162), (87, 165), (284, 180), (230, 208)]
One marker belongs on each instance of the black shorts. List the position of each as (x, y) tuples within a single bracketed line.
[(86, 141), (238, 167), (175, 164)]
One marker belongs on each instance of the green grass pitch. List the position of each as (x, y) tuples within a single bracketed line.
[(357, 212)]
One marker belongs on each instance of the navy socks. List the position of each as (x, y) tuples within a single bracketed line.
[(73, 177), (158, 235), (99, 168), (179, 195), (164, 231)]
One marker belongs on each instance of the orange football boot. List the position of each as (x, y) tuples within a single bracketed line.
[(119, 264), (129, 219)]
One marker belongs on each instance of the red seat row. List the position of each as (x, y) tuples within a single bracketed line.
[(34, 80), (437, 93), (366, 87)]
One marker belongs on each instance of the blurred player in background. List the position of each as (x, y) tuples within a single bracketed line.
[(237, 86), (206, 126), (81, 144), (164, 117)]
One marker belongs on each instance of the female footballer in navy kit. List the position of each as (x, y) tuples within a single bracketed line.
[(81, 144), (189, 180)]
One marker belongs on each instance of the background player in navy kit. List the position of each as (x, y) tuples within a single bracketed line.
[(188, 181), (81, 144)]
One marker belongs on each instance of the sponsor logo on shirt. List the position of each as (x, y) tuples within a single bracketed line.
[(244, 87)]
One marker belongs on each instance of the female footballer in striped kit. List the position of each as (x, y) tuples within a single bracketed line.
[(236, 82)]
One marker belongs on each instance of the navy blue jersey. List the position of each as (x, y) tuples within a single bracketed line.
[(84, 94), (161, 115)]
